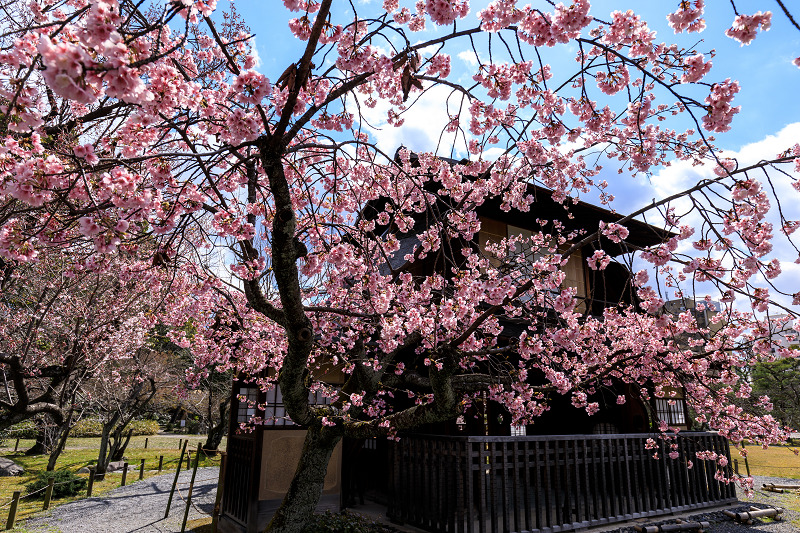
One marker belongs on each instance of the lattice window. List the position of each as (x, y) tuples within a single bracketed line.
[(275, 412), (671, 411), (248, 396), (605, 428), (519, 431)]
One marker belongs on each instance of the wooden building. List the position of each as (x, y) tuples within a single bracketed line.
[(478, 473)]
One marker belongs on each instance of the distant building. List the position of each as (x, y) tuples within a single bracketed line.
[(703, 311), (783, 333)]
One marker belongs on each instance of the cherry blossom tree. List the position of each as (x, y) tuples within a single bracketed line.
[(153, 132), (121, 395), (64, 319)]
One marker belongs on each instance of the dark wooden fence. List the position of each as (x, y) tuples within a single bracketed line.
[(549, 483), (237, 498)]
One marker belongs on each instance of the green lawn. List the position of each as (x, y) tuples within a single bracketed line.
[(775, 461), (82, 452)]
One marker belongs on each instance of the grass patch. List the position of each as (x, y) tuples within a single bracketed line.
[(200, 525), (775, 461), (82, 452)]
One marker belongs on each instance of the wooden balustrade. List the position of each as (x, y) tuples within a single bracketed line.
[(550, 483)]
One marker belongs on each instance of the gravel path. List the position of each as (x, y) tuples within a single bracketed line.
[(138, 507), (722, 524)]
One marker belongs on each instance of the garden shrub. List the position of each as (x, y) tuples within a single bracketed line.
[(193, 427), (66, 484), (144, 427), (88, 427)]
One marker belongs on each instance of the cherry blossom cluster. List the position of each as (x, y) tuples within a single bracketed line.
[(745, 27), (444, 12), (720, 111), (688, 17)]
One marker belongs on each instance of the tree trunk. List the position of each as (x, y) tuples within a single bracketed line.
[(118, 447), (102, 454), (217, 431), (39, 448), (45, 439), (300, 501), (63, 434)]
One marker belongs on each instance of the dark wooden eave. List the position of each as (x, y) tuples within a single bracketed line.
[(572, 215)]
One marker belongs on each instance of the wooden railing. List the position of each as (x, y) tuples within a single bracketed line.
[(549, 483)]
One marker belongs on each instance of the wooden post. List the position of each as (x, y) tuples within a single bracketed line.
[(48, 494), (91, 482), (124, 472), (191, 486), (145, 442), (175, 482), (746, 464), (188, 457), (16, 446), (160, 463), (736, 466), (223, 461), (180, 442), (141, 470), (12, 513)]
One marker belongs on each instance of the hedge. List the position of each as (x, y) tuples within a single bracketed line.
[(23, 430), (92, 427)]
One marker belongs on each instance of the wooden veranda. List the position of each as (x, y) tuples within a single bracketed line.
[(475, 484)]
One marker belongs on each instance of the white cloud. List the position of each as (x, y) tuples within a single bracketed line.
[(254, 52), (468, 57), (778, 186), (424, 122)]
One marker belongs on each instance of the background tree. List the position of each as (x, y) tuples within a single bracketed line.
[(129, 127), (780, 381), (62, 321), (206, 395), (120, 394)]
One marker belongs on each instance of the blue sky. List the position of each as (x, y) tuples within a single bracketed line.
[(769, 82), (768, 123)]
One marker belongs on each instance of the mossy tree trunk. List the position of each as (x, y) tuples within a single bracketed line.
[(45, 438), (119, 443), (102, 454)]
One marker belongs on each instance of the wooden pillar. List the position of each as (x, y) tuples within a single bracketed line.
[(223, 462)]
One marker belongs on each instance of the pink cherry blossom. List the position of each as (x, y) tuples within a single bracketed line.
[(696, 69), (688, 18), (720, 112), (745, 27)]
